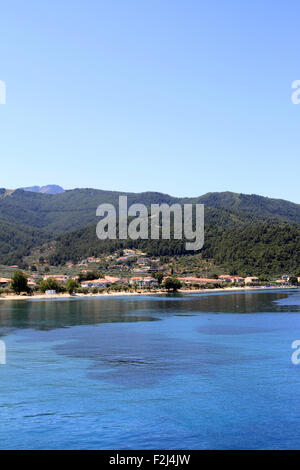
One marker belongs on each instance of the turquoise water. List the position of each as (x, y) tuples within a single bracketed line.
[(198, 371)]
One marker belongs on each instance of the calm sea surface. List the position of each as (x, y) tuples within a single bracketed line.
[(199, 371)]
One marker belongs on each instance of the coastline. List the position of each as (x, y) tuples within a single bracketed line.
[(66, 296)]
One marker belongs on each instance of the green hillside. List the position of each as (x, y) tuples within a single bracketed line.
[(250, 249), (17, 240), (59, 213), (263, 207), (62, 212), (242, 232)]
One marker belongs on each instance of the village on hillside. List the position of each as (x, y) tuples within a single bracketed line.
[(129, 271)]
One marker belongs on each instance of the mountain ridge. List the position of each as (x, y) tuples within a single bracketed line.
[(71, 215), (48, 189), (76, 208)]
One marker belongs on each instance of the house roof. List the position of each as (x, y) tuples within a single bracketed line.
[(56, 276), (197, 279), (104, 281), (112, 279)]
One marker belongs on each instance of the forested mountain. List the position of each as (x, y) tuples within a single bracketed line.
[(241, 231), (17, 240), (264, 207), (249, 249), (59, 213)]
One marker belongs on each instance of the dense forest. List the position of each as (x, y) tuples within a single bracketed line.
[(252, 249), (17, 240), (243, 233), (60, 213)]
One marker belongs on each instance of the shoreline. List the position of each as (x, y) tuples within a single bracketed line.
[(139, 293)]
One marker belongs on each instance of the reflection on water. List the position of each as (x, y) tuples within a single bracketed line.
[(291, 301), (46, 315)]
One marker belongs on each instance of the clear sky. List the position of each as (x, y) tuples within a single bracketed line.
[(182, 97)]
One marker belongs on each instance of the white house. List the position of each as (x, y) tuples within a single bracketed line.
[(251, 280)]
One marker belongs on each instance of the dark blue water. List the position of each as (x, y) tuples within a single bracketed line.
[(184, 372)]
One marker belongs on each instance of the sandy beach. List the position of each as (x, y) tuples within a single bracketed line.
[(138, 293)]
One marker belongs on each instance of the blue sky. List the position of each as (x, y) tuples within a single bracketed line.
[(182, 97)]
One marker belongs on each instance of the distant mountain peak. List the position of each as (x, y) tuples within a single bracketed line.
[(49, 189)]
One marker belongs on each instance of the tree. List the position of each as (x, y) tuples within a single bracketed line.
[(51, 284), (19, 282), (159, 277), (293, 280), (88, 276), (172, 283), (264, 278), (71, 286), (135, 286)]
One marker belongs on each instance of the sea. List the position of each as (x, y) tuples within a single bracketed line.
[(174, 371)]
